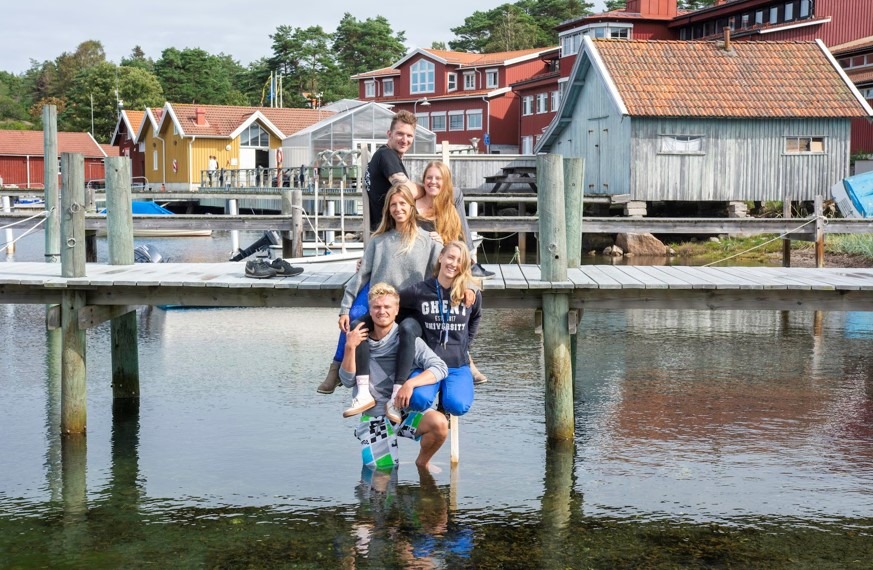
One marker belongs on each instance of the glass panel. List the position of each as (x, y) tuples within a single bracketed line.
[(456, 122), (817, 145)]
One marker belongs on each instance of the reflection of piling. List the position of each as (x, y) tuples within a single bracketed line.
[(124, 491), (556, 306), (73, 410), (53, 462), (557, 504)]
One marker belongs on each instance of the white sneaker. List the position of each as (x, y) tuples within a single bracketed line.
[(360, 403), (392, 413)]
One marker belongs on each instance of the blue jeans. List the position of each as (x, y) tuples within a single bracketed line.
[(455, 391), (360, 307)]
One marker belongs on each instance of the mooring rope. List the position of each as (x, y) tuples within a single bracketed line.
[(21, 221), (29, 230), (810, 221)]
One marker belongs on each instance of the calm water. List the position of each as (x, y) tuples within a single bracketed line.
[(725, 439)]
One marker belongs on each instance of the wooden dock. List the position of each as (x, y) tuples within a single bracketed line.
[(514, 286)]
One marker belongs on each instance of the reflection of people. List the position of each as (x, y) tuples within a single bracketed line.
[(213, 169), (449, 328), (386, 169), (399, 253), (378, 435)]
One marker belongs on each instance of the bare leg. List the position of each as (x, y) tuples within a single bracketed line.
[(434, 428)]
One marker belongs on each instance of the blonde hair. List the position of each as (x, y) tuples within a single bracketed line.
[(380, 290), (464, 277), (409, 230), (446, 218)]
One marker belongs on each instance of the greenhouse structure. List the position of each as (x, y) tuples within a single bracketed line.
[(338, 139)]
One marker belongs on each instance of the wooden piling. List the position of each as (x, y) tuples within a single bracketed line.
[(574, 174), (232, 208), (90, 235), (50, 180), (786, 242), (73, 390), (556, 306), (119, 231), (292, 204), (819, 231)]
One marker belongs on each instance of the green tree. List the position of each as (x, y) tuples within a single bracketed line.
[(14, 100), (137, 58), (94, 90), (611, 5), (305, 58), (192, 75), (364, 45), (694, 4), (439, 45), (524, 24)]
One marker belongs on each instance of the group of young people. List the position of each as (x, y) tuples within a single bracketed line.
[(410, 314)]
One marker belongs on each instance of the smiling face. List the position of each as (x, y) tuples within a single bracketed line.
[(400, 137), (433, 181), (451, 263), (383, 310), (399, 208)]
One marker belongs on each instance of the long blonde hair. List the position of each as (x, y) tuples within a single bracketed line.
[(464, 278), (446, 218), (409, 230)]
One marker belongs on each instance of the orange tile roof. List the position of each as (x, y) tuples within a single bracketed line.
[(858, 44), (135, 120), (111, 150), (701, 79), (478, 59), (222, 120), (860, 76), (24, 143)]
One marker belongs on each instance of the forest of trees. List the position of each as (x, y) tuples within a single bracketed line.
[(82, 83)]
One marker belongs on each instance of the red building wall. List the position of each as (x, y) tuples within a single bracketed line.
[(28, 171)]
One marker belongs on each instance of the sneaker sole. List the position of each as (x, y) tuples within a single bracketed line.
[(252, 276), (292, 274), (324, 391), (360, 409), (394, 419)]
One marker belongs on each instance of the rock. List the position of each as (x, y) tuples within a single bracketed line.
[(641, 244), (613, 251), (714, 239)]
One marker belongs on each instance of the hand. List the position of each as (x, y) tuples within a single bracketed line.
[(404, 394), (344, 323), (435, 236), (356, 336), (469, 298), (358, 265)]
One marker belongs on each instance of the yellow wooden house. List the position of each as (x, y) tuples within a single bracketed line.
[(178, 140)]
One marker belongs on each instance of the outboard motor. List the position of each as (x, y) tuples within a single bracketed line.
[(270, 237), (147, 253)]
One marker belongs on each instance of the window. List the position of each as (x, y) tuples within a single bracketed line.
[(570, 44), (527, 105), (438, 121), (452, 81), (456, 120), (759, 17), (422, 77), (774, 15), (474, 120), (422, 119), (469, 80), (491, 78), (867, 93), (542, 99), (154, 160), (804, 145), (789, 11), (680, 144), (804, 9), (526, 145), (369, 89), (556, 100), (254, 135), (388, 87), (745, 21), (619, 33)]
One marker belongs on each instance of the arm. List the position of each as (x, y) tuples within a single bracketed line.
[(475, 316), (354, 285), (462, 213), (348, 369)]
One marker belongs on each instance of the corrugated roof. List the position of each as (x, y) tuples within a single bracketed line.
[(222, 120), (752, 79), (479, 59), (854, 45), (24, 143)]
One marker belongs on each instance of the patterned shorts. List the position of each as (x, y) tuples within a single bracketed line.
[(378, 438)]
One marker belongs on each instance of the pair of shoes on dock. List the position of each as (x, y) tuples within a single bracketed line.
[(260, 269), (478, 271)]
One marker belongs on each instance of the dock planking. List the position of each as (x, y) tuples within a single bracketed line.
[(514, 285)]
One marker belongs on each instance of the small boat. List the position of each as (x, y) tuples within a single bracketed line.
[(151, 208), (854, 195)]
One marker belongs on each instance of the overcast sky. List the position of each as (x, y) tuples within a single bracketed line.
[(30, 29)]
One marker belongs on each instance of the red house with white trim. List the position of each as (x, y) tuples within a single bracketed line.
[(22, 153), (465, 98)]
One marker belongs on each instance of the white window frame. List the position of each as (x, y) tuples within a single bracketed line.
[(421, 77), (492, 78), (423, 120), (527, 145), (451, 81), (369, 88), (155, 160), (681, 144), (527, 105), (555, 99), (476, 115), (388, 87), (455, 115), (570, 43), (805, 145), (542, 103), (436, 118), (469, 80)]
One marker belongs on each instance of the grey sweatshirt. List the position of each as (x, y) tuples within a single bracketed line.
[(383, 261), (383, 354)]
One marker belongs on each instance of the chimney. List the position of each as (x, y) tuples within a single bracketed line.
[(200, 113), (727, 39)]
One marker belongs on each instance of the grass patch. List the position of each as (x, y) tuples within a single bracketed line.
[(757, 249)]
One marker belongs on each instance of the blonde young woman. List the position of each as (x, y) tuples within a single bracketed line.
[(399, 253)]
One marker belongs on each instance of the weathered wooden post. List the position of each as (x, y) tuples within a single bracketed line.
[(574, 175), (232, 207), (73, 390), (50, 181), (556, 306), (292, 204), (90, 235), (819, 231), (786, 242), (119, 229)]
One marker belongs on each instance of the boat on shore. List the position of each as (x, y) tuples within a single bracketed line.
[(854, 195), (141, 207)]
